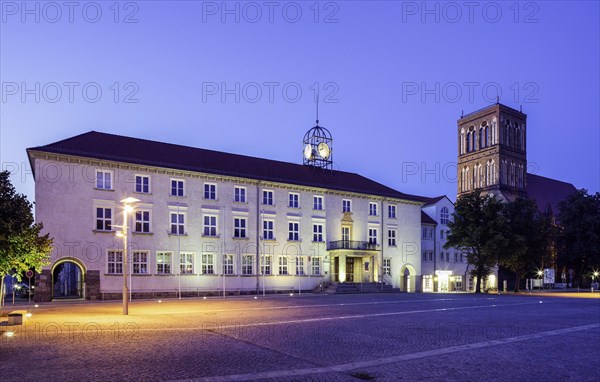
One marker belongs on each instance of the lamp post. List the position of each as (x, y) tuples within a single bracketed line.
[(540, 273), (127, 207), (594, 276)]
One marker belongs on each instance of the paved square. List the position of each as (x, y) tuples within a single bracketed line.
[(386, 337)]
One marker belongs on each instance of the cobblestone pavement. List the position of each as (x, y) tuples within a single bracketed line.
[(391, 337)]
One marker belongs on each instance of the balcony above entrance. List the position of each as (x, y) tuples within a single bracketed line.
[(352, 245)]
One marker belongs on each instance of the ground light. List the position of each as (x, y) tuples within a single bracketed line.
[(36, 305), (9, 334), (28, 315)]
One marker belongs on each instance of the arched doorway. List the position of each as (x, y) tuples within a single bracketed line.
[(67, 280), (407, 279)]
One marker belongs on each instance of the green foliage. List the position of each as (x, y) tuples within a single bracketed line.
[(478, 229), (579, 236), (530, 238), (21, 246)]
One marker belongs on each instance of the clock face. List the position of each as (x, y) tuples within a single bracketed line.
[(324, 150), (308, 151)]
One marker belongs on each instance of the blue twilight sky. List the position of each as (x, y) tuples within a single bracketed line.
[(394, 76)]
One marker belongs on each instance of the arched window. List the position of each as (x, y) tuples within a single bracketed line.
[(462, 140), (512, 174), (493, 173), (488, 173), (481, 138), (467, 182), (444, 215), (486, 134)]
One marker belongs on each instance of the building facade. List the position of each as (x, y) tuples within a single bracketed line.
[(207, 222), (492, 152)]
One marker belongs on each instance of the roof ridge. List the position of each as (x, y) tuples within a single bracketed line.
[(146, 152)]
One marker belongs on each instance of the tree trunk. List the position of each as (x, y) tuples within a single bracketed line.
[(517, 282), (478, 285)]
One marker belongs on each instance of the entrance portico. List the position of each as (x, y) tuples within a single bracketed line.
[(354, 261)]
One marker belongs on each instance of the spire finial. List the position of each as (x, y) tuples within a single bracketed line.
[(317, 107), (497, 99)]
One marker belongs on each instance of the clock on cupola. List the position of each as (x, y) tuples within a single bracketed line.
[(317, 148)]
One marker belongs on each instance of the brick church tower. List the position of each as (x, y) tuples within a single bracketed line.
[(492, 155)]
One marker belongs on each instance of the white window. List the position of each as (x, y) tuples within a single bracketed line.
[(387, 268), (317, 232), (208, 264), (430, 233), (115, 262), (392, 237), (239, 228), (247, 261), (268, 230), (346, 205), (177, 223), (372, 209), (186, 263), (210, 191), (430, 255), (140, 262), (104, 180), (163, 263), (239, 194), (142, 221), (227, 264), (103, 219), (372, 235), (294, 200), (210, 225), (267, 197), (300, 266), (293, 231), (444, 215), (266, 265), (142, 184), (283, 265), (317, 203), (424, 255), (316, 266), (392, 211), (177, 187)]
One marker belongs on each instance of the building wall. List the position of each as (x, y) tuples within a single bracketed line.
[(67, 198)]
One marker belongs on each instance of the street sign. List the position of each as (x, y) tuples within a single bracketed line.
[(29, 274)]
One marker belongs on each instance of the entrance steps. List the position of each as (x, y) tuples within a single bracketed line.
[(368, 287)]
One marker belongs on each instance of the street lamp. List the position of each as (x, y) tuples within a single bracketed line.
[(540, 273), (594, 276), (127, 207)]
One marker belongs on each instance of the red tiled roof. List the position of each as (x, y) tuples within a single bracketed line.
[(548, 192), (118, 148)]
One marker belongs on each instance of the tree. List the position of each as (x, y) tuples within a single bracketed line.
[(529, 235), (579, 232), (21, 245), (477, 228)]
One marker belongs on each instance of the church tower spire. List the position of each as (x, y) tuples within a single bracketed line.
[(492, 155)]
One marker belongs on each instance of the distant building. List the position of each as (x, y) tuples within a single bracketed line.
[(209, 221), (492, 158), (444, 269), (492, 155)]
